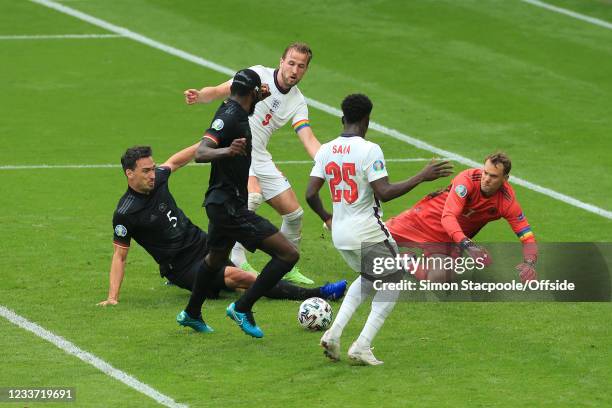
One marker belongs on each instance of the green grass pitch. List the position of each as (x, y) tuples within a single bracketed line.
[(467, 76)]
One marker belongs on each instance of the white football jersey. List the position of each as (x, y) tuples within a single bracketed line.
[(274, 112), (349, 164)]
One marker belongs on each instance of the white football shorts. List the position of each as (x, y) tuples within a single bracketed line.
[(271, 180)]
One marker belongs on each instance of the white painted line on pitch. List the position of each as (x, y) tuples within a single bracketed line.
[(105, 166), (89, 358), (316, 104), (58, 36), (570, 13)]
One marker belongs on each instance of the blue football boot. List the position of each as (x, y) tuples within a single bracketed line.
[(334, 290), (244, 320), (198, 324)]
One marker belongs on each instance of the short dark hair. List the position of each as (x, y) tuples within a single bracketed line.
[(500, 157), (244, 82), (356, 107), (131, 155), (300, 47)]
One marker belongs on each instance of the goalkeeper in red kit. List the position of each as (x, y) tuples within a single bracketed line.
[(444, 222)]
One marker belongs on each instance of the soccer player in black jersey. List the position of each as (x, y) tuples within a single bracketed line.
[(148, 213), (227, 146)]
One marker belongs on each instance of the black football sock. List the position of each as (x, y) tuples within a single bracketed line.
[(289, 291), (201, 282), (270, 275)]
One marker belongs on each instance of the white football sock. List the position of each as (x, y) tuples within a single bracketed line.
[(382, 304), (355, 295), (292, 226), (254, 201), (238, 255)]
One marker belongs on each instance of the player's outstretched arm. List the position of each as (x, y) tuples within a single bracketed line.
[(314, 201), (207, 94), (520, 225), (117, 272), (309, 140), (386, 191), (179, 159), (208, 151)]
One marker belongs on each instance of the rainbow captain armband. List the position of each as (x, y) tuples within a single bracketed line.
[(301, 124), (525, 233)]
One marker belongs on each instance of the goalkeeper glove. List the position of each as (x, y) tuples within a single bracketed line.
[(475, 251), (526, 270)]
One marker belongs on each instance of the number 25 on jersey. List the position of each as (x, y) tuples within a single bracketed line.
[(350, 191)]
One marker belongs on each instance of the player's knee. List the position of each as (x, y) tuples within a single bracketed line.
[(289, 255), (241, 280), (294, 219), (254, 201)]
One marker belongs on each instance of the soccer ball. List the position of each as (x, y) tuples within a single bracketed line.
[(315, 314)]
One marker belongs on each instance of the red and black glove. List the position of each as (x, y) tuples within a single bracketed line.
[(526, 270), (475, 251)]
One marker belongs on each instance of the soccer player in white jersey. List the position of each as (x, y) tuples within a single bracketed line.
[(285, 105), (357, 176)]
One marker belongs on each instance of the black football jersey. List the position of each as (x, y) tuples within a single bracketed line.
[(158, 225), (229, 176)]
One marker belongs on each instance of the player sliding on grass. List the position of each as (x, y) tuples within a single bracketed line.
[(451, 217), (357, 177), (148, 213), (286, 104)]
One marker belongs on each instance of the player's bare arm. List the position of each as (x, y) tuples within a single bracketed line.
[(434, 170), (208, 151), (309, 140), (180, 159), (314, 201), (117, 273), (207, 94)]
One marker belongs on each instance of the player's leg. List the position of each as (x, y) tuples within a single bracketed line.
[(287, 205), (382, 304), (255, 232), (238, 256), (202, 275), (289, 291), (355, 295), (361, 350), (284, 256), (213, 262), (220, 245), (238, 279), (278, 193)]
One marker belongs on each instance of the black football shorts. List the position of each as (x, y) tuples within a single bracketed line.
[(228, 223)]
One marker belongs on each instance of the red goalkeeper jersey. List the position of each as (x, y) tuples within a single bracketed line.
[(458, 211)]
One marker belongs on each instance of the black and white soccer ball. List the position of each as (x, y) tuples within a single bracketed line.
[(315, 314)]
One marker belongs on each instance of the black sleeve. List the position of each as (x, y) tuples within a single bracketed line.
[(222, 130), (122, 235), (162, 174)]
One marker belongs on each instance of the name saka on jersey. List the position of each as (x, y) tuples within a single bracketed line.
[(349, 163)]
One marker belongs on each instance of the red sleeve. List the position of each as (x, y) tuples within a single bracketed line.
[(519, 224), (460, 191)]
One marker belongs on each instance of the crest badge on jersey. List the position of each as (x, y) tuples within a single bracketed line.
[(521, 217), (120, 230), (275, 104), (461, 190), (217, 124), (378, 165)]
